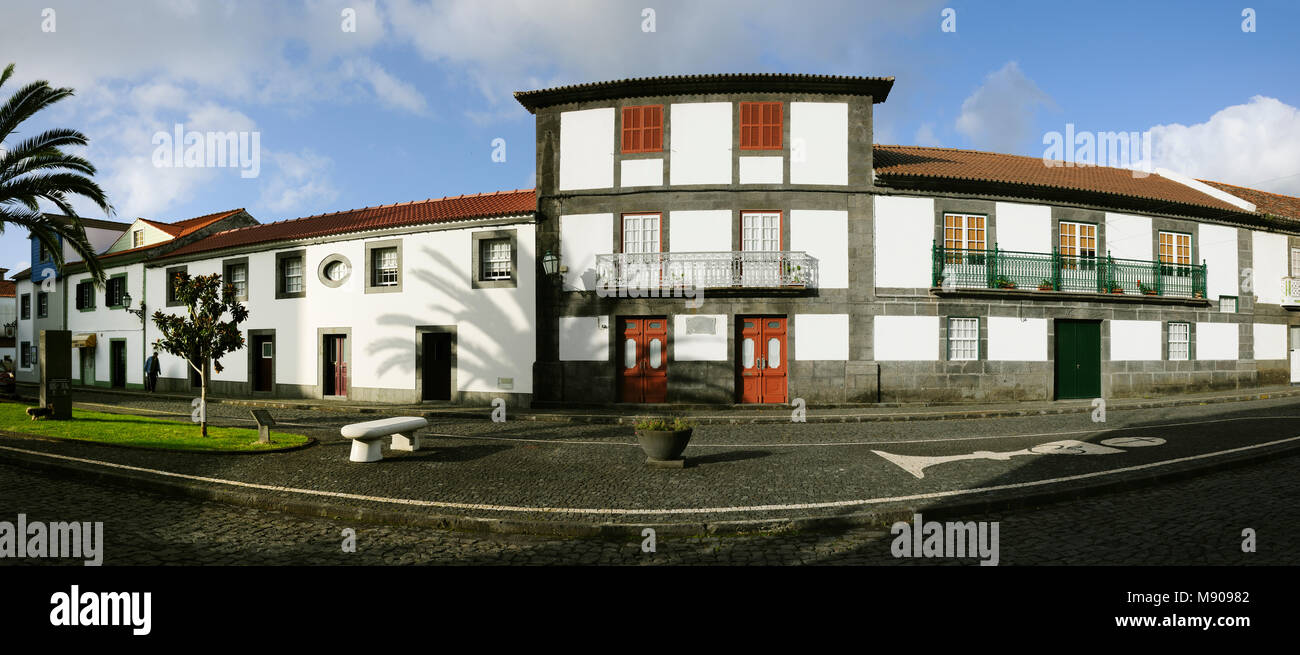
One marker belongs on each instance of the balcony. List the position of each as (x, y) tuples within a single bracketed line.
[(1031, 271), (740, 270), (1291, 292)]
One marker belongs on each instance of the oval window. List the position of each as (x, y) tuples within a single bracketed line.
[(747, 352), (629, 354), (336, 270), (656, 356), (774, 353)]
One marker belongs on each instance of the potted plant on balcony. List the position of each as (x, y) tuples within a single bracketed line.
[(1198, 294), (796, 276), (1045, 285), (1003, 282), (1146, 290), (1116, 288), (662, 439)]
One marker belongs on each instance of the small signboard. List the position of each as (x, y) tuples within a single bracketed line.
[(264, 424)]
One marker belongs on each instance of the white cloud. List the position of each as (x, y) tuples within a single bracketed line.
[(925, 136), (300, 181), (1256, 145), (388, 89), (999, 116)]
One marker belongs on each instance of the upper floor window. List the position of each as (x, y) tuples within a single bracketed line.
[(496, 259), (42, 304), (1295, 261), (1078, 239), (46, 254), (1227, 304), (962, 231), (643, 128), (85, 295), (115, 292), (641, 233), (25, 306), (761, 126), (173, 276), (237, 277), (760, 231), (289, 271), (384, 261), (1176, 248), (137, 238)]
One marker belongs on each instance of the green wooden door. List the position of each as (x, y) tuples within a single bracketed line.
[(1078, 359)]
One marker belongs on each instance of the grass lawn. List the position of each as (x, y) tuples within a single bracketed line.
[(140, 431)]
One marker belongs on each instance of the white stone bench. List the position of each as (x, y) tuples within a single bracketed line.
[(367, 438)]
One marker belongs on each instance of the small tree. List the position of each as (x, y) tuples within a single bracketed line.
[(201, 336)]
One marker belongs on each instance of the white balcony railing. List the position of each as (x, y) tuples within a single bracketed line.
[(708, 270), (1291, 291)]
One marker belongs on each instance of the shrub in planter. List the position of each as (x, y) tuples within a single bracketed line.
[(1045, 285), (663, 439)]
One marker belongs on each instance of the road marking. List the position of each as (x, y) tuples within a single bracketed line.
[(916, 464), (647, 512)]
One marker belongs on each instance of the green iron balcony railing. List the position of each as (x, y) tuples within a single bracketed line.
[(1008, 269)]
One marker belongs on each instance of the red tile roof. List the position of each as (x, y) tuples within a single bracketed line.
[(8, 288), (416, 212), (1265, 202), (190, 225), (970, 165)]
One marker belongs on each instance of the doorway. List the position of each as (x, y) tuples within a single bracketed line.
[(437, 363), (262, 364), (117, 363), (643, 360), (87, 366), (761, 359), (334, 365), (1078, 359), (1295, 354)]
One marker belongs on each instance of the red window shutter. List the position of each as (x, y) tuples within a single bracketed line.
[(643, 128), (761, 126)]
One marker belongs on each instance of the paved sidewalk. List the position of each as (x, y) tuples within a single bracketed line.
[(564, 478), (720, 414)]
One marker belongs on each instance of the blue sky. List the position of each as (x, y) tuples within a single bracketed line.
[(407, 106)]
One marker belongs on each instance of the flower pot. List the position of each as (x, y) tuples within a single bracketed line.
[(1044, 288), (663, 444)]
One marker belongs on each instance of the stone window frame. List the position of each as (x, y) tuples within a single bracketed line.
[(108, 298), (89, 305), (476, 259), (943, 228), (947, 338), (169, 292), (324, 264), (1191, 340), (372, 246), (25, 306), (1097, 251), (280, 257), (42, 304), (226, 265), (1236, 304)]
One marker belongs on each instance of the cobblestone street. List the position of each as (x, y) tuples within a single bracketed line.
[(1195, 521)]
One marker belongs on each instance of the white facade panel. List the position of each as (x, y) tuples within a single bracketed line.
[(701, 143), (1024, 228), (707, 230), (587, 149), (819, 143), (906, 338), (582, 237), (1135, 341), (642, 172), (1217, 341), (110, 324), (823, 234), (1013, 339), (1270, 341), (1128, 237), (821, 337), (1269, 258), (692, 342), (904, 235), (1218, 247), (762, 170), (582, 339)]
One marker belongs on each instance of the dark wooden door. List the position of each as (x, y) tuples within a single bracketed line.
[(117, 363), (1078, 359), (761, 359), (436, 366), (264, 363), (643, 360)]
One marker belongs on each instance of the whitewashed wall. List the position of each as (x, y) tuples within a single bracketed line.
[(1013, 339), (1270, 341), (1023, 227), (707, 230), (109, 324), (819, 143), (904, 236), (1218, 247), (1269, 256), (701, 143), (582, 339), (1128, 237), (700, 346), (906, 338), (587, 149), (641, 172), (823, 234), (762, 170), (582, 237), (1217, 341), (1135, 341), (821, 337)]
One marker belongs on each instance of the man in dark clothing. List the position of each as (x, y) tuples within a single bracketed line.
[(151, 370)]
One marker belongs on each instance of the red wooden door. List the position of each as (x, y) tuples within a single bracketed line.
[(643, 360), (761, 360), (340, 366)]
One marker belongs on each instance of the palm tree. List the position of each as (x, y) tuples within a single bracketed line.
[(37, 168)]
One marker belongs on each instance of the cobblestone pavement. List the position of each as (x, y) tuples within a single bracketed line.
[(1190, 522)]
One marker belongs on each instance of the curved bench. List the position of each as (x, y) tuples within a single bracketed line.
[(367, 438)]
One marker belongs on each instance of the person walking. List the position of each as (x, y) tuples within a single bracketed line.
[(151, 370)]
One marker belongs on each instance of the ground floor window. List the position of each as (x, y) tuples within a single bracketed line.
[(963, 339), (25, 354), (1227, 304), (1179, 337)]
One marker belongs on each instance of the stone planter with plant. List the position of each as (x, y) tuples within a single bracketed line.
[(663, 440)]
